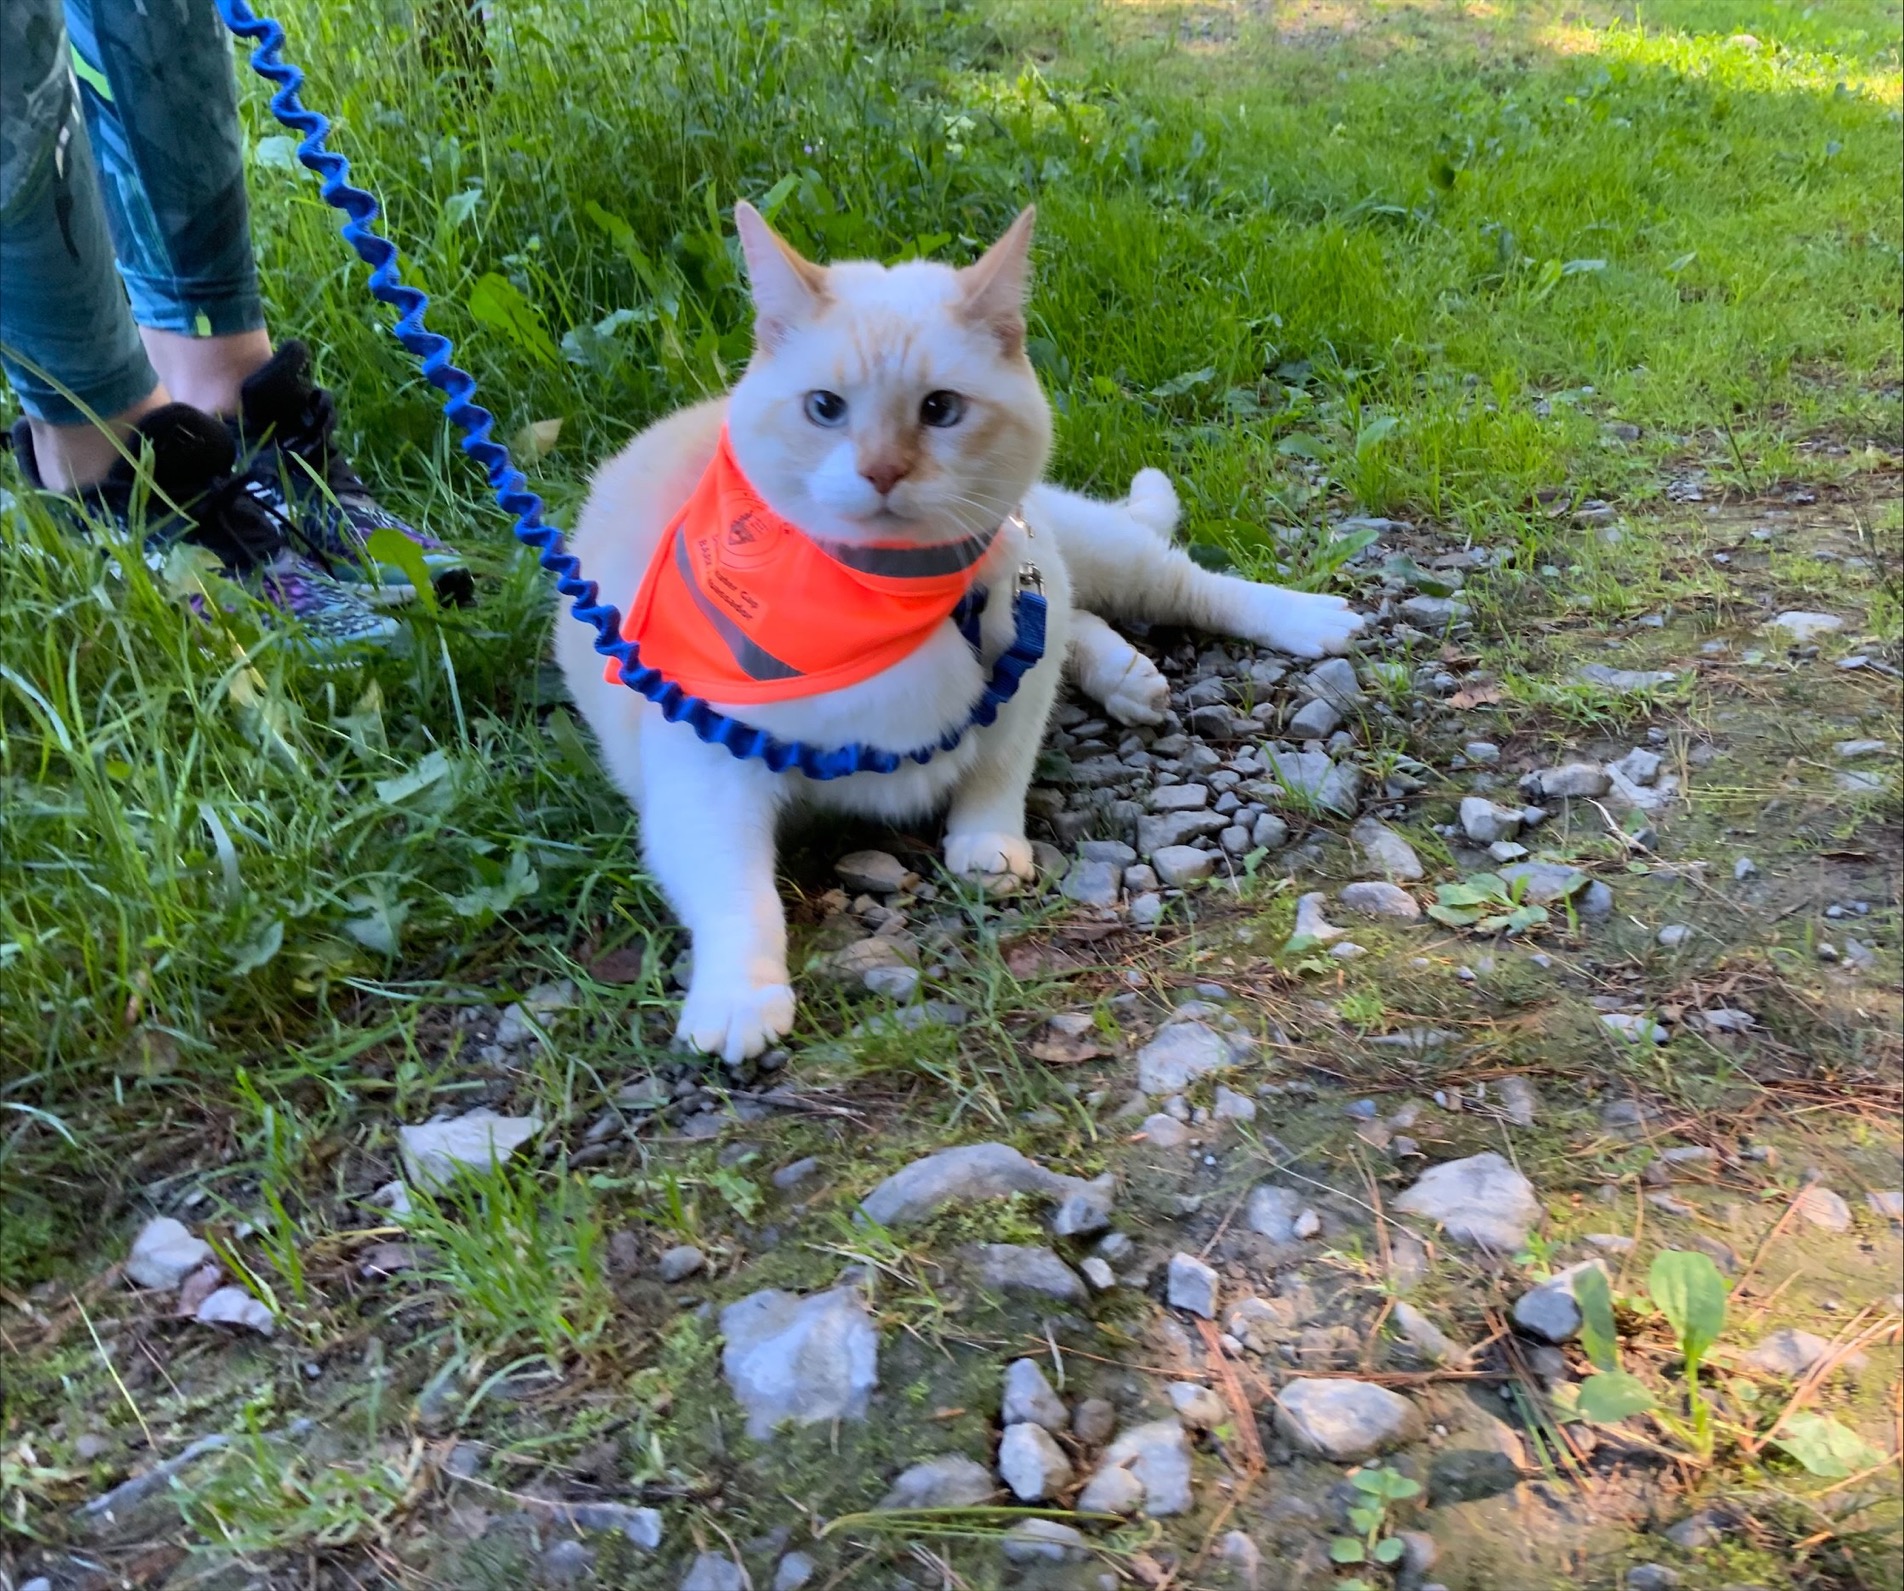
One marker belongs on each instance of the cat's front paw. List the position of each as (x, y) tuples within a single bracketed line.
[(1303, 623), (728, 1016), (987, 854), (1142, 696)]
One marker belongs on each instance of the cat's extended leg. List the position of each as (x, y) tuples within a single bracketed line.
[(707, 830), (1111, 671), (1123, 566)]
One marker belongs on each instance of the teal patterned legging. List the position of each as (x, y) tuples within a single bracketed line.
[(141, 198)]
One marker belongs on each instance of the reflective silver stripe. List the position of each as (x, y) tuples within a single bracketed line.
[(755, 661), (910, 563)]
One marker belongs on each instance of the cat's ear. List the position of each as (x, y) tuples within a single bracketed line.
[(993, 289), (787, 289)]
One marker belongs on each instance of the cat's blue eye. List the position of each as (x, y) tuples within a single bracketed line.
[(941, 409), (826, 408)]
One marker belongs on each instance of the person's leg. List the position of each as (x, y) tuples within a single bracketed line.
[(162, 108), (70, 350), (161, 101)]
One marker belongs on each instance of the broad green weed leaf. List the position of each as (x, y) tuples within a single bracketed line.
[(496, 302), (1825, 1447), (1597, 1332), (260, 950), (459, 207), (1611, 1396), (426, 773), (393, 547), (1691, 1294), (1345, 1549), (1389, 1549), (276, 153), (1582, 267)]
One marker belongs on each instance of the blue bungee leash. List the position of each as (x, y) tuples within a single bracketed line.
[(511, 489)]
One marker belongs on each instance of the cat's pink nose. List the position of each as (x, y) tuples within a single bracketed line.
[(885, 474)]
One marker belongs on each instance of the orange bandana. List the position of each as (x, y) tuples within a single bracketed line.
[(740, 605)]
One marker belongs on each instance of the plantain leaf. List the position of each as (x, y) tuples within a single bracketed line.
[(1691, 1294)]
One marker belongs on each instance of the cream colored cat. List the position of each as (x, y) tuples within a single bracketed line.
[(886, 405)]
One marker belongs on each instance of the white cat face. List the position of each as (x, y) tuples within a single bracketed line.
[(889, 404)]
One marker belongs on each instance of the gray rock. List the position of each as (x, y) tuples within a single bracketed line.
[(1084, 1210), (1272, 1211), (434, 1152), (1484, 822), (792, 1176), (1507, 851), (1824, 1209), (1482, 753), (1549, 1313), (1308, 1223), (514, 1028), (1198, 1407), (1481, 1201), (1228, 1105), (1192, 1285), (1785, 1352), (1317, 721), (679, 1263), (573, 1563), (1571, 781), (1116, 852), (1093, 1421), (1181, 1053), (1165, 1132), (1114, 1490), (1310, 779), (1170, 829), (1244, 1556), (1385, 850), (1420, 1551), (1179, 798), (164, 1253), (1638, 767), (1269, 833), (893, 983), (1798, 628), (1888, 1203), (1311, 924), (1379, 900), (1029, 1399), (713, 1572), (964, 1175), (233, 1306), (1042, 1541), (1345, 1421), (1032, 1464), (873, 873), (1260, 1323), (1433, 613), (1101, 1277), (1543, 883), (1423, 1335), (1140, 879), (1333, 681), (1157, 1457), (1673, 935), (793, 1572), (641, 1526), (1091, 884), (1697, 1531), (1634, 1029), (1147, 910), (1624, 679), (1178, 865), (1651, 1577), (949, 1480), (1519, 1102), (1014, 1268), (807, 1360)]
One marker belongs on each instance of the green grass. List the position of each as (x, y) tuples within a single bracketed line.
[(1413, 266)]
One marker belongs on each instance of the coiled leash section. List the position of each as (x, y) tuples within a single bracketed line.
[(511, 489)]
